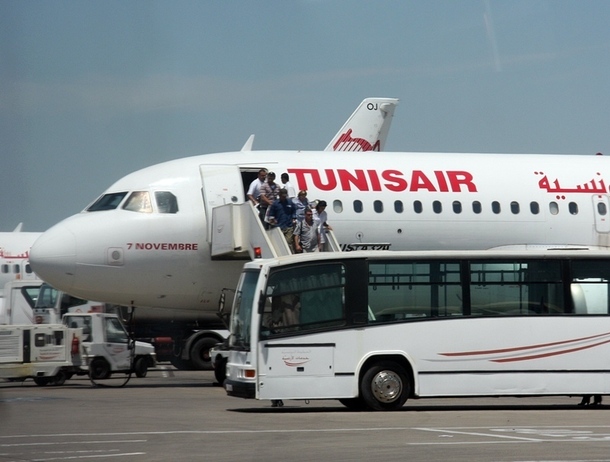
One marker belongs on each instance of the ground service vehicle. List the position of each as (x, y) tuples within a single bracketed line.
[(17, 301), (107, 348), (373, 329), (49, 354), (34, 342)]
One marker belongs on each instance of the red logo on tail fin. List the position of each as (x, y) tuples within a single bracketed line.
[(347, 143)]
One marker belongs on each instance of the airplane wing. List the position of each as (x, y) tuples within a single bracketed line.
[(367, 128)]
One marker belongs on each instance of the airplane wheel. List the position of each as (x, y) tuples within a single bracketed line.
[(200, 353), (99, 369)]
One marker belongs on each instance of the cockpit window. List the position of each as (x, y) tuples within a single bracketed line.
[(138, 201), (107, 202), (166, 202)]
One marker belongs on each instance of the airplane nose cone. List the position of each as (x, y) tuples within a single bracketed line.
[(53, 257)]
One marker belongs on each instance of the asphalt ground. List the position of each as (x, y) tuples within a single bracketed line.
[(183, 416)]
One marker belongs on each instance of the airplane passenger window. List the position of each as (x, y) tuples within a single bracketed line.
[(398, 208), (457, 207), (5, 269), (337, 206), (554, 208), (476, 207), (107, 202), (166, 202), (514, 207), (378, 206), (16, 269), (28, 269), (138, 201), (358, 206), (495, 207), (601, 208), (417, 207), (534, 208), (573, 208), (437, 206)]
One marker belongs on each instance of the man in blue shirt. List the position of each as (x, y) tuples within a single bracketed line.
[(282, 214)]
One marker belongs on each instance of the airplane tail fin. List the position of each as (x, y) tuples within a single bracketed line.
[(18, 228), (367, 128)]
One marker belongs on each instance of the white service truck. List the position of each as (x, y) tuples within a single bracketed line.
[(107, 349), (37, 342), (49, 353)]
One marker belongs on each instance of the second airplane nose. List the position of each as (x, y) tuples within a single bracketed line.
[(53, 257)]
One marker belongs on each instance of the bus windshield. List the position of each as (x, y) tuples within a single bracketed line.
[(242, 310)]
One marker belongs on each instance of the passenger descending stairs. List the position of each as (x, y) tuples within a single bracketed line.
[(236, 231)]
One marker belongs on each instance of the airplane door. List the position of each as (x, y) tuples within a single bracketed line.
[(221, 184), (601, 210)]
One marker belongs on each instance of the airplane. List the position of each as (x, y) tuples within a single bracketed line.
[(146, 240), (368, 125)]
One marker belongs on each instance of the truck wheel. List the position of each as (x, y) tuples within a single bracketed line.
[(99, 369), (200, 353), (385, 386), (220, 370), (42, 381), (59, 379), (140, 366)]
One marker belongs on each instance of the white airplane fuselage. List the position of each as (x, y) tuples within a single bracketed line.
[(414, 201), (15, 255)]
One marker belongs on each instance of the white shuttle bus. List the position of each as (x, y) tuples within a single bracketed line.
[(373, 329)]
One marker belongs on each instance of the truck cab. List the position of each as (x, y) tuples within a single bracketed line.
[(107, 346)]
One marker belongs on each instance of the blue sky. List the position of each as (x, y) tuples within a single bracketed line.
[(93, 90)]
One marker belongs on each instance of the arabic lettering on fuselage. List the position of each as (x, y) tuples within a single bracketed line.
[(4, 254), (595, 186), (390, 180)]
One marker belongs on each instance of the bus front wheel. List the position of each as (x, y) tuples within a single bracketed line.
[(385, 386)]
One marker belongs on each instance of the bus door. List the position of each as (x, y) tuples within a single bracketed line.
[(221, 184), (601, 209)]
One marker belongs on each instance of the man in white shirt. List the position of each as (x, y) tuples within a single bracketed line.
[(254, 190), (288, 186)]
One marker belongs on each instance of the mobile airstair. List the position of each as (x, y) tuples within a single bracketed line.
[(236, 232)]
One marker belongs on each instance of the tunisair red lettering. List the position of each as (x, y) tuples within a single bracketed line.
[(419, 180), (459, 179), (391, 180), (358, 180), (395, 181)]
